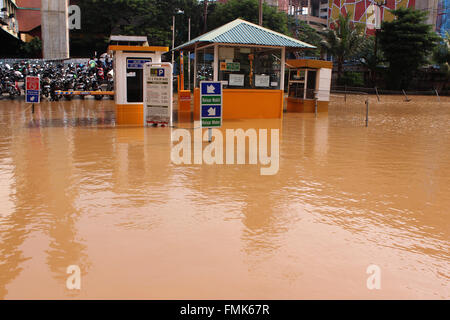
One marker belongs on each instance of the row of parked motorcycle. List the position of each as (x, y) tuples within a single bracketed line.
[(56, 77)]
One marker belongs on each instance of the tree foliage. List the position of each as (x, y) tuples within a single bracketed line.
[(304, 32), (441, 54), (222, 13), (31, 49), (151, 18), (343, 41), (368, 58), (407, 42)]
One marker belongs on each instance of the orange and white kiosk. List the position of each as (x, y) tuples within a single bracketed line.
[(309, 80), (129, 61), (249, 60)]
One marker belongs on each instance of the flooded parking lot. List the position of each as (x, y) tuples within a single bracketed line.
[(75, 189)]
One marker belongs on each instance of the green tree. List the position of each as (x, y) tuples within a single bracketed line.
[(441, 54), (151, 18), (31, 49), (222, 13), (343, 41), (369, 59), (406, 42), (304, 32)]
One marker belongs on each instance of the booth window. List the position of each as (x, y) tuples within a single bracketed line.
[(302, 83), (249, 68), (205, 65)]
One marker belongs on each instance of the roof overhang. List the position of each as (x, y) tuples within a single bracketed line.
[(244, 33), (138, 48)]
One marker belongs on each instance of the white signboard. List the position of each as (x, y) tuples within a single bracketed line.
[(158, 94), (236, 80), (262, 80)]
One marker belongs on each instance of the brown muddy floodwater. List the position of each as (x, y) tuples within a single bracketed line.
[(77, 190)]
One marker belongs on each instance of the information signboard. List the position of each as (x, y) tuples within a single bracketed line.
[(158, 94), (211, 100)]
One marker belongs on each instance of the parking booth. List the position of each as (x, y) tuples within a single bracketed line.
[(309, 80), (129, 61), (249, 60)]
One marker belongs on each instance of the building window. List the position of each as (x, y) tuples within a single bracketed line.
[(205, 65), (249, 68)]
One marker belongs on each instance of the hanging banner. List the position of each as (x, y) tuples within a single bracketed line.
[(158, 94)]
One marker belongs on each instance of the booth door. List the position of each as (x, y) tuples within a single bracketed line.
[(311, 84), (135, 79)]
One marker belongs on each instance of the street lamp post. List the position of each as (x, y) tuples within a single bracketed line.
[(173, 39), (379, 4), (173, 35), (189, 56)]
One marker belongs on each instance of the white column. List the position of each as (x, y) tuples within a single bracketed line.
[(55, 29)]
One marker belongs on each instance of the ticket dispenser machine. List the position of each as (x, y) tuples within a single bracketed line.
[(129, 64)]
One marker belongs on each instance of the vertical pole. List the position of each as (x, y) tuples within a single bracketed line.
[(305, 86), (173, 40), (406, 97), (205, 16), (437, 94), (195, 66), (345, 93), (367, 112), (216, 63), (378, 96), (283, 68), (32, 108), (260, 12), (374, 75), (315, 106), (181, 70), (189, 55), (209, 135)]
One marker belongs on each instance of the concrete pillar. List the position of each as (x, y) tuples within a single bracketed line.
[(55, 29)]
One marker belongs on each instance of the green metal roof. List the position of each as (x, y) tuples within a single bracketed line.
[(243, 32)]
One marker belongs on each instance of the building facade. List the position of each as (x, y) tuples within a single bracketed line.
[(370, 13), (9, 25)]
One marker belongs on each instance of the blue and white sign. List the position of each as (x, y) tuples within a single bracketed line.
[(211, 111), (32, 97), (211, 88), (137, 63), (211, 102)]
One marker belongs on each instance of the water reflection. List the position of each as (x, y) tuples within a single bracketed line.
[(77, 189)]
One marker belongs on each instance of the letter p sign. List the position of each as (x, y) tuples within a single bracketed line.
[(160, 72)]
